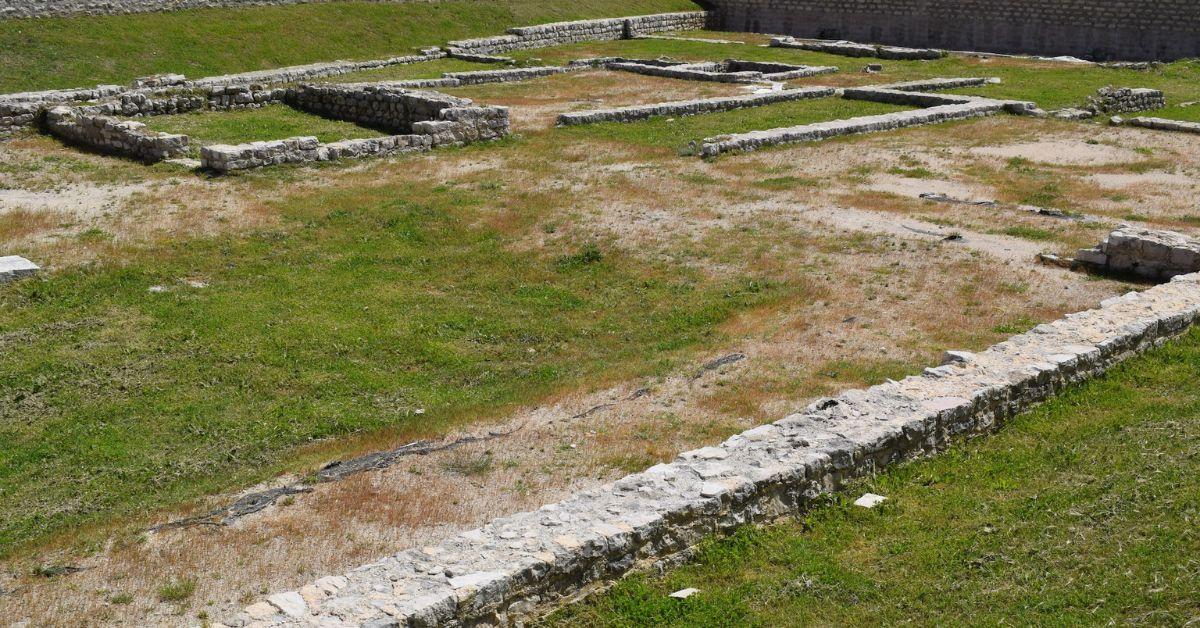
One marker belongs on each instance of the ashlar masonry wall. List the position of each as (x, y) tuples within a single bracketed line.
[(1095, 29)]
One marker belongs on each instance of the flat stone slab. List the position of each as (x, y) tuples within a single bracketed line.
[(1163, 124), (518, 567), (14, 267)]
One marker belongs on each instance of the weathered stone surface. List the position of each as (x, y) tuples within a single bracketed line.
[(1163, 124), (13, 267), (117, 137), (519, 566), (691, 107), (378, 106), (851, 49), (1147, 253), (754, 140)]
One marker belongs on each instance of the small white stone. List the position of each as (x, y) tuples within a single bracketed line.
[(869, 500), (684, 594), (291, 603)]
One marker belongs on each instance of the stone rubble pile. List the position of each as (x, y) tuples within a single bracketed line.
[(14, 267), (110, 135), (852, 49), (1111, 100), (516, 568), (1146, 253), (692, 107), (754, 140)]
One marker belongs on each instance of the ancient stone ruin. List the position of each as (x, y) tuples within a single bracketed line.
[(13, 267), (1145, 253)]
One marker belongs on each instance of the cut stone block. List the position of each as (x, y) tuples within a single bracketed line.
[(14, 267)]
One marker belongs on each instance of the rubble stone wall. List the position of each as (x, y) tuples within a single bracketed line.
[(1096, 29), (110, 135), (380, 107), (518, 567), (1110, 100)]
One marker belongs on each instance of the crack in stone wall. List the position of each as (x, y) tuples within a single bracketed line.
[(519, 567)]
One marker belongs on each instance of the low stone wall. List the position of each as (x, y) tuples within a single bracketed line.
[(1163, 124), (925, 85), (560, 33), (14, 267), (452, 126), (297, 73), (504, 76), (110, 135), (225, 158), (925, 99), (518, 567), (744, 142), (851, 49), (379, 107), (1110, 100), (691, 107), (1145, 253)]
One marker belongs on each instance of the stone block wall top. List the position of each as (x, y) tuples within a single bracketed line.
[(13, 267), (1147, 253)]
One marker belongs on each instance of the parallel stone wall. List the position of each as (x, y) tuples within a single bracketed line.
[(504, 76), (1096, 29), (114, 136), (727, 71), (518, 567), (426, 120), (692, 107), (745, 142)]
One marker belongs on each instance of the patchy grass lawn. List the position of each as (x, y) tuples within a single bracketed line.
[(274, 122), (203, 364), (1052, 85), (1082, 512), (85, 50)]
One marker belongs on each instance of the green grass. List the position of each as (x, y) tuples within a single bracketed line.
[(364, 306), (85, 50), (1082, 512), (679, 132), (275, 122), (1051, 85), (423, 70)]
